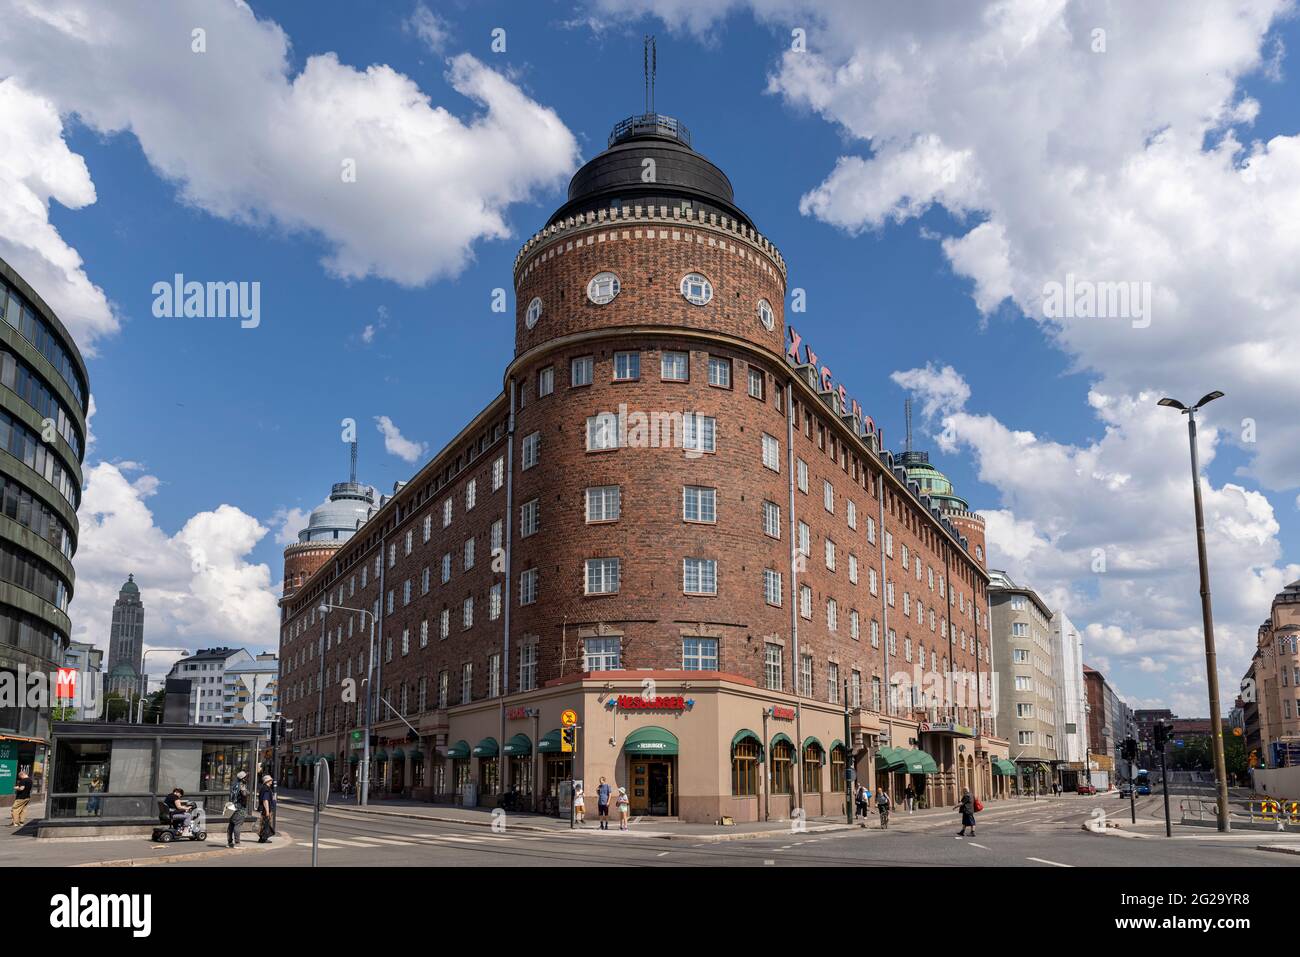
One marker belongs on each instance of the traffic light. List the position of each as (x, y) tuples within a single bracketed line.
[(1161, 735), (568, 740), (1130, 751)]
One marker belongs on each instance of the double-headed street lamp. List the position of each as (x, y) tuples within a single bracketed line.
[(363, 792), (1216, 723)]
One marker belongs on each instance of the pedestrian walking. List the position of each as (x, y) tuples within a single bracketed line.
[(968, 806), (579, 804), (622, 809), (602, 804), (909, 798), (860, 800), (96, 789), (22, 797), (266, 807), (238, 809)]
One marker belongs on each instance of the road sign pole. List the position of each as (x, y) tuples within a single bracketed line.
[(1164, 774)]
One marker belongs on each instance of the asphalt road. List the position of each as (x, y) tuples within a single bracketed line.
[(1046, 834)]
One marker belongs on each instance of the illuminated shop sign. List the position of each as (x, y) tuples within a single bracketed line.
[(519, 714), (798, 352), (627, 702), (947, 727), (782, 714)]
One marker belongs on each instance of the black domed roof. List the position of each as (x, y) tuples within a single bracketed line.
[(681, 175)]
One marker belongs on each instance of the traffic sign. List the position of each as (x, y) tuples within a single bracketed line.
[(569, 718)]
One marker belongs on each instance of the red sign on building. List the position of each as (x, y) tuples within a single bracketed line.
[(66, 686), (785, 714), (627, 702)]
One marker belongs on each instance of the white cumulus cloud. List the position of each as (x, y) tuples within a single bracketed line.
[(397, 444)]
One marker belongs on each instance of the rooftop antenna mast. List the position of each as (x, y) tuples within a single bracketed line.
[(650, 66), (907, 414), (353, 474)]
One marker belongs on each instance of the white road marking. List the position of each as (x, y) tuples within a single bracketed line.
[(389, 840), (339, 840), (662, 854), (1053, 863), (973, 844), (769, 862)]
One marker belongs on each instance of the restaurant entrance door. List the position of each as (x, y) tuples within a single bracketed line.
[(653, 786)]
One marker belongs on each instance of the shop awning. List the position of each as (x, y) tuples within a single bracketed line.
[(780, 738), (354, 758), (889, 759), (650, 741), (417, 754), (810, 742), (744, 733), (1004, 767), (550, 742), (487, 748), (399, 754), (837, 743), (380, 755), (919, 762), (458, 750), (518, 745)]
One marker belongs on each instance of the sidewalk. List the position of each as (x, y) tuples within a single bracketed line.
[(648, 827)]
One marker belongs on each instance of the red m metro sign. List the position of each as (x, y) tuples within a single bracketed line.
[(66, 686)]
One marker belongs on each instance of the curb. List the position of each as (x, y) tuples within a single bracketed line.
[(1279, 848), (188, 856)]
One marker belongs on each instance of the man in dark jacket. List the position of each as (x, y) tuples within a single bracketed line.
[(266, 807), (239, 798), (22, 797)]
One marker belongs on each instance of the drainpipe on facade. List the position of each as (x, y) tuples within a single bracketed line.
[(508, 523), (377, 715), (320, 683), (884, 604), (767, 800), (794, 601)]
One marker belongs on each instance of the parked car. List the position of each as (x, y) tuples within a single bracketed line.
[(1085, 789)]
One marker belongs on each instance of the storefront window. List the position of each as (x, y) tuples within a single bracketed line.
[(812, 768), (521, 773), (558, 768), (744, 768), (837, 768), (417, 772), (461, 772), (782, 760), (489, 775)]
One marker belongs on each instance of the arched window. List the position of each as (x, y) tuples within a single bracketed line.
[(781, 760), (813, 758), (745, 756)]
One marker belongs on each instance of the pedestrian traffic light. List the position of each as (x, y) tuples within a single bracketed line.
[(568, 739), (1161, 734)]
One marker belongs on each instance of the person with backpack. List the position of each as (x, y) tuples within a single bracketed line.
[(882, 807), (238, 809), (968, 806)]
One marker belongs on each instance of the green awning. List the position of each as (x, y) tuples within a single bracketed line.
[(550, 742), (519, 745), (487, 748), (458, 750), (837, 743), (417, 754), (919, 762), (810, 741), (744, 733), (650, 740), (354, 758), (1005, 768), (780, 738), (380, 755), (889, 759), (399, 754)]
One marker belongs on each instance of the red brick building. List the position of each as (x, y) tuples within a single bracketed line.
[(673, 521)]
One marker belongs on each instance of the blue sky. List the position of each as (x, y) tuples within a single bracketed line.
[(199, 413)]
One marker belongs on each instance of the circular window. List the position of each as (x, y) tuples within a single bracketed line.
[(696, 288), (534, 312), (765, 315), (602, 288)]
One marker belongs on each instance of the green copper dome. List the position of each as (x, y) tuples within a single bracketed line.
[(932, 482)]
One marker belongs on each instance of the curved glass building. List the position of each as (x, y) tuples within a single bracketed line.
[(44, 394)]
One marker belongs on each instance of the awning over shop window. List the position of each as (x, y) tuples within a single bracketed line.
[(810, 742), (746, 735), (458, 750), (487, 748), (417, 755), (550, 742), (354, 758), (889, 759), (928, 765), (1004, 767), (399, 754), (519, 745), (650, 741), (782, 739), (380, 755), (837, 743)]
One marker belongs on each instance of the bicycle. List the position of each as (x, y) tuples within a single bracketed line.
[(884, 816)]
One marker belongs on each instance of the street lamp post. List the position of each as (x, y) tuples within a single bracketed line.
[(1212, 674), (363, 792), (144, 680)]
